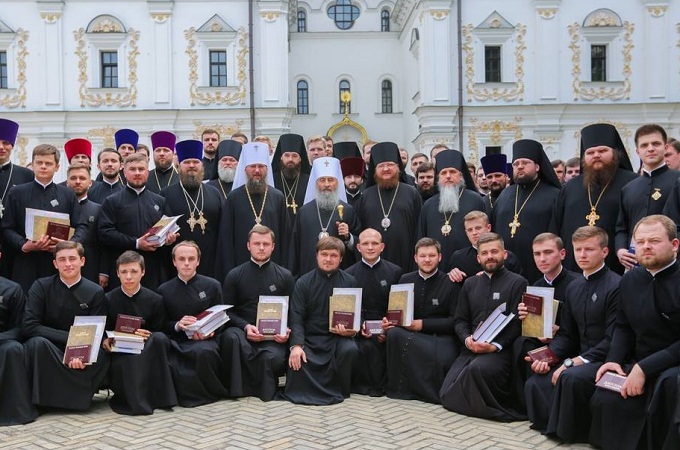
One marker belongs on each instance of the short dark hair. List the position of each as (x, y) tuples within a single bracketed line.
[(108, 150), (544, 237), (129, 257), (490, 237), (46, 150), (77, 166), (574, 162), (69, 245), (675, 144), (212, 131), (424, 167), (428, 242), (557, 162), (136, 157), (419, 155), (330, 243), (587, 232), (650, 128), (143, 148)]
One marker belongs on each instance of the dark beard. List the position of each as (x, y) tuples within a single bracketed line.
[(387, 184), (190, 182), (256, 186), (290, 172), (526, 180), (592, 177)]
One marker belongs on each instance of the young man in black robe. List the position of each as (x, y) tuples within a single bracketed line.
[(645, 348), (253, 365), (164, 173), (228, 154), (376, 276), (321, 362), (110, 164), (523, 210), (291, 169), (594, 198), (210, 138), (126, 217), (53, 303), (15, 401), (353, 176), (390, 206), (200, 205), (325, 213), (478, 383), (557, 397), (140, 383), (195, 361), (420, 354), (33, 258), (442, 215), (495, 167)]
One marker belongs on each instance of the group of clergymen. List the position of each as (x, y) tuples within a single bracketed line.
[(317, 216)]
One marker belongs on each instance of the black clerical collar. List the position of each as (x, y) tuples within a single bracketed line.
[(656, 172), (139, 288), (424, 277), (109, 183), (369, 264), (186, 282), (658, 272), (44, 186), (550, 282), (166, 170), (207, 158), (260, 265), (137, 191), (353, 195), (531, 184), (327, 274), (496, 273), (597, 274), (70, 285), (6, 166)]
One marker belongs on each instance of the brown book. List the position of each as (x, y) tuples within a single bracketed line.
[(58, 230), (612, 381), (79, 337), (343, 318), (128, 324), (534, 303), (81, 352), (341, 309), (544, 354), (400, 300), (394, 317), (272, 315), (373, 327)]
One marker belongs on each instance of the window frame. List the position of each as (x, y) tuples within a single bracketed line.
[(386, 97), (601, 61), (493, 74), (343, 13), (222, 74), (384, 21), (342, 89), (301, 18), (4, 70), (108, 71), (302, 97)]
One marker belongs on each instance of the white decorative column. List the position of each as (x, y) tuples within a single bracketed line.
[(547, 49), (273, 44), (50, 13), (656, 29), (437, 54), (161, 16)]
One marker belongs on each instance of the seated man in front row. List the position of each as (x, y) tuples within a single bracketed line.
[(252, 365), (321, 361), (419, 355)]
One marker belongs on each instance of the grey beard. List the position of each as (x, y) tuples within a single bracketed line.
[(190, 181), (256, 186), (449, 198), (326, 200), (226, 175)]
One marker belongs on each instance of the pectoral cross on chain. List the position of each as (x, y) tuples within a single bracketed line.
[(592, 218), (294, 206), (514, 225), (2, 210), (202, 222)]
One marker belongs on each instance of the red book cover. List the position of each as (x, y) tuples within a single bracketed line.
[(269, 326), (343, 318), (373, 327), (204, 314), (534, 303), (544, 354), (57, 230), (128, 324), (395, 317), (612, 381), (81, 352)]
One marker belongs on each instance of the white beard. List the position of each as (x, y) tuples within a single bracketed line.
[(449, 198), (326, 200), (226, 175)]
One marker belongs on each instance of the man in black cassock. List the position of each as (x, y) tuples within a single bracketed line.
[(645, 347), (200, 205), (140, 383), (646, 194), (33, 258), (253, 200), (325, 213), (478, 383), (195, 361), (376, 276), (53, 303), (291, 168), (442, 215), (15, 401), (593, 197), (253, 365), (109, 163), (390, 205), (126, 217), (228, 154), (164, 173), (353, 175), (557, 398), (494, 167), (420, 354), (210, 138), (523, 210), (321, 362)]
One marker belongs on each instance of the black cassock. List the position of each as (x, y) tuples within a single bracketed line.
[(353, 199), (102, 189), (223, 188), (241, 219), (161, 179), (586, 326), (302, 248), (431, 222), (15, 392), (370, 378), (299, 196), (141, 383), (465, 259), (10, 175), (50, 310), (27, 267), (417, 362), (478, 385), (672, 206), (572, 207), (647, 332), (490, 201), (96, 259), (252, 368), (213, 208), (644, 196), (534, 219), (195, 365), (326, 377), (400, 236), (124, 217), (209, 168)]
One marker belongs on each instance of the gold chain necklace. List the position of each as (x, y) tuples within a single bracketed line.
[(219, 182), (158, 182), (515, 220), (592, 217), (446, 228), (386, 222), (192, 221), (258, 217), (291, 192)]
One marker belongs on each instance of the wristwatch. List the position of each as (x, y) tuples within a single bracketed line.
[(568, 363)]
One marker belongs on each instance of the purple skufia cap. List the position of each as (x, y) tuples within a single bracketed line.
[(163, 139), (189, 149), (126, 136), (8, 130)]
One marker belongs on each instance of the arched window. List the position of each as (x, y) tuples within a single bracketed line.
[(343, 13), (386, 89), (385, 20), (302, 21), (344, 87), (302, 97)]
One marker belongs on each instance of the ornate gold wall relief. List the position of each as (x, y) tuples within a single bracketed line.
[(18, 97), (107, 134), (50, 17), (497, 129), (223, 130), (657, 11), (20, 148), (546, 13)]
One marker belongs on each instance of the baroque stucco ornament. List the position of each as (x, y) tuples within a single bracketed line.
[(497, 131), (17, 98)]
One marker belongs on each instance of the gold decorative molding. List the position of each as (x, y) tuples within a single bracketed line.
[(106, 25), (50, 17), (107, 134), (618, 92), (657, 11), (160, 17), (623, 130), (18, 97), (439, 14), (270, 16), (496, 128), (20, 147), (238, 95), (516, 92), (123, 99), (223, 130), (602, 19), (546, 13)]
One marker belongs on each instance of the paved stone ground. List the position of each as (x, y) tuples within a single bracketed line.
[(359, 423)]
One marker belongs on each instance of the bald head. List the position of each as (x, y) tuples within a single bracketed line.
[(370, 245)]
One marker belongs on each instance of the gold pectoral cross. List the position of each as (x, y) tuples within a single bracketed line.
[(592, 218), (202, 222), (294, 206), (192, 222), (514, 225)]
